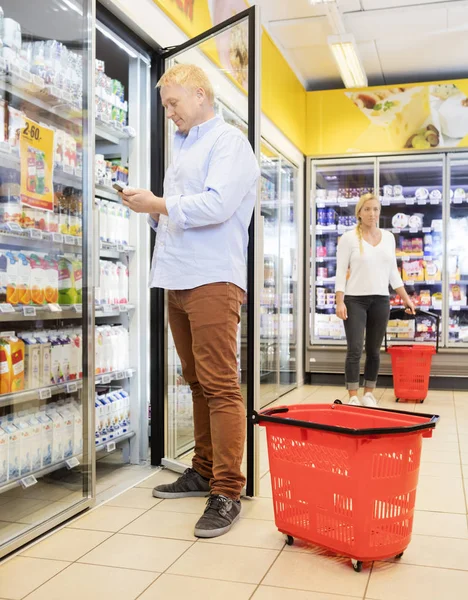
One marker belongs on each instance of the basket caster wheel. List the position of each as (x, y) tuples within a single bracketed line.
[(398, 556), (397, 399), (421, 402), (289, 540), (357, 565)]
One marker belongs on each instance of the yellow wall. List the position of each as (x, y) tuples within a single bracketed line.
[(283, 96)]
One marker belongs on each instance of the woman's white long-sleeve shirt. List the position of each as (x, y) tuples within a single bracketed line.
[(371, 271)]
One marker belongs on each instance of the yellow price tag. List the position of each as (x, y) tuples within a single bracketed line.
[(37, 166)]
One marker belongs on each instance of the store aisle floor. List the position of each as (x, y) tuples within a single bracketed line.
[(135, 546)]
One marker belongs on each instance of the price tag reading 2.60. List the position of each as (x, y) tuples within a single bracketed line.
[(32, 131)]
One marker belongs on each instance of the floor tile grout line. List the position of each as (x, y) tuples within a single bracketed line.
[(465, 491), (268, 570), (44, 582), (368, 581)]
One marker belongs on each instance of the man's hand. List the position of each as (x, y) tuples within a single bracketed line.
[(143, 201)]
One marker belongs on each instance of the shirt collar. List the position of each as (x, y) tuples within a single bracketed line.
[(200, 130)]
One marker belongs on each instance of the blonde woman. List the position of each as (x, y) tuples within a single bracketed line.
[(362, 299)]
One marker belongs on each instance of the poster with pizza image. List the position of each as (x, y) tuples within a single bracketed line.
[(37, 166)]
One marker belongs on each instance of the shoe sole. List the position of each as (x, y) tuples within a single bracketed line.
[(174, 495), (212, 533)]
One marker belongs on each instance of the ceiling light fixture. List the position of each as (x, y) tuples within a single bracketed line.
[(346, 55), (321, 1)]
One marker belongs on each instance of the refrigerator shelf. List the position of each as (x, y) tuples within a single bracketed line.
[(107, 193), (43, 393), (115, 250), (70, 463), (67, 387), (19, 237), (49, 99), (113, 310), (48, 312), (113, 133), (70, 178)]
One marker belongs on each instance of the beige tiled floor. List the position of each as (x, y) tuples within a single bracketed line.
[(137, 547)]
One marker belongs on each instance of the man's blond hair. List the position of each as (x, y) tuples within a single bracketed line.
[(188, 76)]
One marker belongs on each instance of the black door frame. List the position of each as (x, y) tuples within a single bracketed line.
[(158, 319)]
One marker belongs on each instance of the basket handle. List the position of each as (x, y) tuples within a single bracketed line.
[(401, 312), (266, 416)]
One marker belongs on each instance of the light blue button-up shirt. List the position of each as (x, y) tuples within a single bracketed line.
[(210, 191)]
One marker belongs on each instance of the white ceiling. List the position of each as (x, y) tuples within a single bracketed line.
[(399, 41)]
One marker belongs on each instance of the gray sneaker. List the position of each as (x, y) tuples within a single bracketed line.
[(220, 515), (189, 484)]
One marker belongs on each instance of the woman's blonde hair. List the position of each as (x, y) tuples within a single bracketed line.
[(362, 200), (188, 76)]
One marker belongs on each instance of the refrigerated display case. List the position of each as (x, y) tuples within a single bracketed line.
[(457, 251), (47, 471), (122, 109), (423, 202)]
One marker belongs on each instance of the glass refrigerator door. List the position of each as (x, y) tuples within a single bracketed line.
[(46, 252), (288, 301), (270, 294), (336, 188), (457, 252), (122, 124), (411, 193), (178, 407)]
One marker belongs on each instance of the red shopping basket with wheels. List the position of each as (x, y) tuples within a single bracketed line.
[(411, 364), (344, 477)]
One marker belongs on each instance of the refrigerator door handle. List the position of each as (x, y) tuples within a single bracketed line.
[(261, 253), (97, 247)]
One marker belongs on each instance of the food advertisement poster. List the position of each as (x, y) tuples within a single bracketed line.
[(427, 116), (228, 49), (37, 163)]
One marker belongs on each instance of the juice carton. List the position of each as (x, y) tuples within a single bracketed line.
[(5, 375), (12, 294), (3, 456), (76, 409), (3, 277), (123, 283), (25, 444), (32, 363), (56, 370), (66, 284), (57, 428), (68, 430), (65, 354), (51, 280), (46, 360), (47, 436), (15, 357), (23, 282), (36, 442), (77, 266), (38, 278), (13, 440)]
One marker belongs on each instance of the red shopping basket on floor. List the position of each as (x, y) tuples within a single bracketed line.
[(344, 477), (411, 365)]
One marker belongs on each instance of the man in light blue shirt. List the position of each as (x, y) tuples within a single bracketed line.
[(200, 256)]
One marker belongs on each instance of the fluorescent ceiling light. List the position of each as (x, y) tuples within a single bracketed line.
[(345, 53), (321, 1)]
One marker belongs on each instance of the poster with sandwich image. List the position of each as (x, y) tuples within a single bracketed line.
[(391, 119)]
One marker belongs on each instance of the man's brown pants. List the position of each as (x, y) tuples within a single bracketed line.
[(204, 323)]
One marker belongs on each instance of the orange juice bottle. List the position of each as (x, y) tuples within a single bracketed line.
[(51, 280), (23, 278), (12, 295), (37, 279)]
